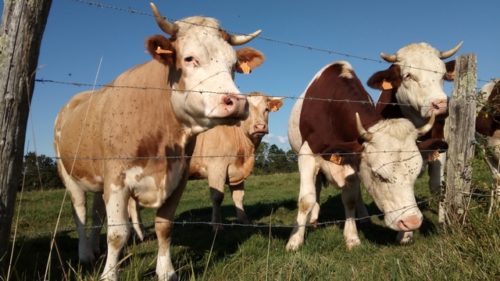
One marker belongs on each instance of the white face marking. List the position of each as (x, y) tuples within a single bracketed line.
[(207, 64), (422, 73), (389, 167)]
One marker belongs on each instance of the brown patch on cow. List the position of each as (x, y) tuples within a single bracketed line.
[(327, 122), (450, 71), (149, 146), (240, 159)]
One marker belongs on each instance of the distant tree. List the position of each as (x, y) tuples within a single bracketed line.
[(39, 172), (261, 161), (269, 158)]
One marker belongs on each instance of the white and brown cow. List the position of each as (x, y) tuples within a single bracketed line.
[(330, 138), (412, 87), (488, 117), (225, 155), (134, 138)]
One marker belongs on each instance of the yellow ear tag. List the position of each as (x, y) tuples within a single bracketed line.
[(386, 85), (160, 51), (336, 159), (245, 68)]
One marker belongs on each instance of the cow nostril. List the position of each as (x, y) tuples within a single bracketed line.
[(227, 100)]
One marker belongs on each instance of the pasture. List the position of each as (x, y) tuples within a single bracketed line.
[(257, 252)]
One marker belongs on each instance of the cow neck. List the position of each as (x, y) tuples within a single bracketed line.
[(327, 121), (387, 104)]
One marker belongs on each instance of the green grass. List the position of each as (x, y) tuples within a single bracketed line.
[(471, 252)]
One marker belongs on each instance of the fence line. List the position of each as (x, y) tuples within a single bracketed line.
[(370, 102), (282, 42), (247, 225)]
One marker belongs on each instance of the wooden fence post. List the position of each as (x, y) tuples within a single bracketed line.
[(460, 137), (23, 23)]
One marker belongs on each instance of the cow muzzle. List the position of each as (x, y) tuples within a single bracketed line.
[(234, 106), (438, 106), (409, 223)]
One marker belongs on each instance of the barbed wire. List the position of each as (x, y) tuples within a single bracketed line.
[(469, 99), (237, 224), (260, 37)]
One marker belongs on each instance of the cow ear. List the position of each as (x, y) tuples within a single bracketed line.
[(161, 49), (450, 71), (386, 79), (248, 59), (275, 103)]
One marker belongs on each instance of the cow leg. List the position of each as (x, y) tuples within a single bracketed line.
[(436, 173), (135, 217), (238, 192), (163, 227), (350, 196), (79, 203), (307, 196), (361, 211), (116, 200), (98, 215), (315, 210), (216, 181)]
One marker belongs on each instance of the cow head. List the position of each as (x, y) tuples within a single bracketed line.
[(416, 79), (202, 63), (390, 165), (256, 124)]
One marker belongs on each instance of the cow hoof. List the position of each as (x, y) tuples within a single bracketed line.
[(352, 243), (168, 277), (293, 244), (404, 238), (87, 257), (314, 223)]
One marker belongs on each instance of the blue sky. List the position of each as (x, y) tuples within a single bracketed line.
[(79, 35)]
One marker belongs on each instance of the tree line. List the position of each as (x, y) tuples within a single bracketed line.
[(40, 171)]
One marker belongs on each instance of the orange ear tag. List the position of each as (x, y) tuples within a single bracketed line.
[(160, 51), (245, 68), (386, 85), (336, 159)]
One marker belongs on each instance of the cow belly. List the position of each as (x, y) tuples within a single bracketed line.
[(152, 188)]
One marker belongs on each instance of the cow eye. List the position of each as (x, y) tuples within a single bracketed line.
[(188, 59)]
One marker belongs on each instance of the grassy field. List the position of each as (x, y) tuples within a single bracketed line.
[(258, 253)]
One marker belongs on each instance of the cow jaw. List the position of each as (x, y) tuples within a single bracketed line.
[(390, 164)]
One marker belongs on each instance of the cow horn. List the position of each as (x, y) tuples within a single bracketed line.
[(427, 127), (236, 40), (364, 134), (163, 23), (450, 52), (388, 58)]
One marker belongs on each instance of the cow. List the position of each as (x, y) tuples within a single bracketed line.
[(412, 87), (225, 155), (134, 137), (330, 138), (488, 117)]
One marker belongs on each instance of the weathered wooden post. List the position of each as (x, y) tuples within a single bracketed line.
[(460, 137), (23, 23)]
